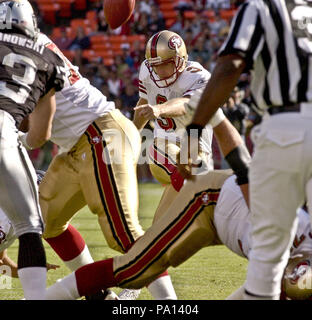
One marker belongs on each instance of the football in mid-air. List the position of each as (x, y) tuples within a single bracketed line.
[(117, 12)]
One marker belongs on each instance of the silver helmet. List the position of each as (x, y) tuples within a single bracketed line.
[(18, 14)]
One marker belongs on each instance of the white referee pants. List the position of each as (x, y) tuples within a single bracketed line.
[(279, 173)]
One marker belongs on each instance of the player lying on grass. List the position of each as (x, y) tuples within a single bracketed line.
[(8, 236), (208, 210)]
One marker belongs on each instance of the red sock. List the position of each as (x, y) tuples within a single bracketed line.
[(95, 276), (165, 273), (68, 245)]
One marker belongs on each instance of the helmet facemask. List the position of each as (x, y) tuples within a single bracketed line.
[(178, 64)]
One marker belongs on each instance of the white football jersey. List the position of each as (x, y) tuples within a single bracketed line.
[(193, 77), (77, 105), (7, 234), (231, 218), (303, 238)]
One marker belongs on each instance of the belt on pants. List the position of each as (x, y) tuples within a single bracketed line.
[(279, 109), (303, 107)]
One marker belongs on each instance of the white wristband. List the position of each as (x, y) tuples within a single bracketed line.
[(217, 118), (22, 137)]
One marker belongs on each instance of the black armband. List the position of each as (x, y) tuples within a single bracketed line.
[(239, 159), (194, 126)]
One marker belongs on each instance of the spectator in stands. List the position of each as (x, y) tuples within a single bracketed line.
[(200, 53), (198, 24), (217, 25), (63, 42), (129, 97), (101, 22), (99, 76), (204, 33), (187, 25), (183, 5), (141, 26), (236, 111), (107, 93), (115, 85), (218, 4), (146, 6), (188, 39), (177, 27), (156, 21), (96, 5), (121, 65), (126, 54), (81, 41), (199, 5), (137, 52)]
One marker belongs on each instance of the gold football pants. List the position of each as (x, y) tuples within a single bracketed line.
[(186, 227), (100, 171), (163, 156)]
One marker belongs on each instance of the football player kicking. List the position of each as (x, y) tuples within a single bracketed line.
[(97, 167), (209, 210), (167, 81)]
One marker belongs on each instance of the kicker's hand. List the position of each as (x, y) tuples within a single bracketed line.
[(188, 157), (147, 111), (52, 266)]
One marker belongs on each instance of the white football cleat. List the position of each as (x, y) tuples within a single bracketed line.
[(129, 294), (111, 295)]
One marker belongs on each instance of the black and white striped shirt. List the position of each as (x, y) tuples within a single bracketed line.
[(275, 39)]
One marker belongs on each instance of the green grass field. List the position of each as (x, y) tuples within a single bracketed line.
[(211, 274)]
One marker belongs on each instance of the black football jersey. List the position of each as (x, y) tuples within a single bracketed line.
[(28, 71)]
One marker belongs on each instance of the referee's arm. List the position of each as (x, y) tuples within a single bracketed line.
[(216, 93), (237, 53), (221, 84)]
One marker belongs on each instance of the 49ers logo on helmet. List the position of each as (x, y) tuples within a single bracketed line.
[(299, 270), (174, 42)]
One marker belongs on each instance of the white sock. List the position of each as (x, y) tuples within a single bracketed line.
[(162, 289), (237, 295), (63, 289), (254, 297), (81, 260), (33, 280)]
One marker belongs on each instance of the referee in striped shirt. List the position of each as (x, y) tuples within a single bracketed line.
[(272, 39)]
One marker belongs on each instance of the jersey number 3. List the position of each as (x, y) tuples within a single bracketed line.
[(165, 123), (24, 81)]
